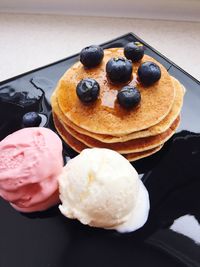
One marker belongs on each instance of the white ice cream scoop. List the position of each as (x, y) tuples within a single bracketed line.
[(101, 188)]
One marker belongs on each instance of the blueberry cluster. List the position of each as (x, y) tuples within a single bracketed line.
[(119, 70)]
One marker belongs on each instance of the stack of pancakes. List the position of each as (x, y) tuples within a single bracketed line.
[(135, 133)]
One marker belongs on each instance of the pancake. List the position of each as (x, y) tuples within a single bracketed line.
[(67, 137), (154, 130), (140, 155), (78, 146), (106, 116), (136, 145)]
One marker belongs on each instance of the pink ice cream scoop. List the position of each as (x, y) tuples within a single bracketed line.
[(30, 162)]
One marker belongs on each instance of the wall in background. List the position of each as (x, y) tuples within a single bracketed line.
[(153, 9)]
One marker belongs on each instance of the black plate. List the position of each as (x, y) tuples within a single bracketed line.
[(47, 239)]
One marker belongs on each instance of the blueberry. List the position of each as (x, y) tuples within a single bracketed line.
[(31, 119), (129, 97), (119, 69), (134, 51), (87, 90), (149, 73), (91, 56)]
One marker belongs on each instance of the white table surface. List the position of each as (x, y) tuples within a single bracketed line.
[(30, 41)]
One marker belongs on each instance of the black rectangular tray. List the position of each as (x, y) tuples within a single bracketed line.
[(47, 239)]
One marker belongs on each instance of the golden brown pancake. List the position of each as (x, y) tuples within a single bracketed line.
[(144, 154), (106, 116), (136, 145), (78, 146), (154, 130)]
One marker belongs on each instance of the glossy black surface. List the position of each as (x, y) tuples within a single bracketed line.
[(172, 232)]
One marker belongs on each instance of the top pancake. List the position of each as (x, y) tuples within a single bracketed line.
[(106, 116), (161, 127)]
